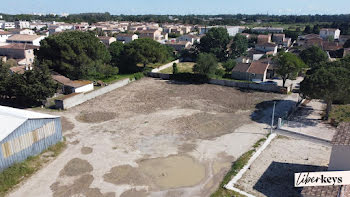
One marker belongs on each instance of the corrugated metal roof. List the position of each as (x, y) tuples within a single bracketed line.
[(12, 118)]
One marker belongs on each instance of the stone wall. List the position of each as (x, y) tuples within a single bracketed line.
[(230, 83), (74, 99)]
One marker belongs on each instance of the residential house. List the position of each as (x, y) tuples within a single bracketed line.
[(267, 47), (343, 39), (189, 38), (287, 42), (278, 38), (180, 45), (25, 39), (310, 40), (70, 86), (154, 34), (126, 38), (254, 71), (268, 30), (107, 40), (329, 33), (4, 35), (262, 39), (23, 53), (19, 69), (281, 40), (22, 31), (22, 24), (233, 30), (8, 25)]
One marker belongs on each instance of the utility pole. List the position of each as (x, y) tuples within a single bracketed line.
[(273, 116)]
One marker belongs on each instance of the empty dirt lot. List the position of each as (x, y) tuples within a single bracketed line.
[(151, 138)]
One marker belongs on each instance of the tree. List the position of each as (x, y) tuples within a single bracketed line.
[(239, 46), (142, 51), (206, 64), (229, 65), (307, 29), (76, 54), (215, 41), (347, 44), (288, 66), (29, 88), (175, 69), (37, 85), (4, 79), (327, 82), (115, 50), (313, 56), (316, 29)]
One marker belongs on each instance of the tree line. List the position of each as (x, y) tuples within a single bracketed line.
[(226, 19)]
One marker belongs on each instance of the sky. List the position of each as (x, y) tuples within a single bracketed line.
[(181, 7)]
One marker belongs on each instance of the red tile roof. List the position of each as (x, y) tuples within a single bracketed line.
[(258, 67)]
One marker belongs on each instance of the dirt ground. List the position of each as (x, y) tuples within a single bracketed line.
[(151, 138), (272, 174)]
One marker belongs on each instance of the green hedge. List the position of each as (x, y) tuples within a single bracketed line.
[(190, 77)]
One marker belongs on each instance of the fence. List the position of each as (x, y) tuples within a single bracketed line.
[(75, 99), (230, 83)]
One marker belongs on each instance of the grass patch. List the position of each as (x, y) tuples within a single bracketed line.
[(259, 142), (236, 167), (340, 113), (158, 64), (13, 175), (117, 77), (183, 67)]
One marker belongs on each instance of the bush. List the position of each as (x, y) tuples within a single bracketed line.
[(138, 75), (219, 72), (229, 65), (175, 69), (206, 64)]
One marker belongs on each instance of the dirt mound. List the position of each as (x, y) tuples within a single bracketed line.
[(124, 174), (76, 167), (66, 124), (80, 187), (134, 193), (95, 117), (86, 150)]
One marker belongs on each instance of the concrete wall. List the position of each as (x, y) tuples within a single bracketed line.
[(165, 66), (80, 98), (85, 88), (229, 83)]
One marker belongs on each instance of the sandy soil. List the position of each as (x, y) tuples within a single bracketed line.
[(151, 138), (272, 174)]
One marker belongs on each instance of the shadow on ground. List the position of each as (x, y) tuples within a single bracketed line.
[(300, 118), (278, 179), (263, 110)]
